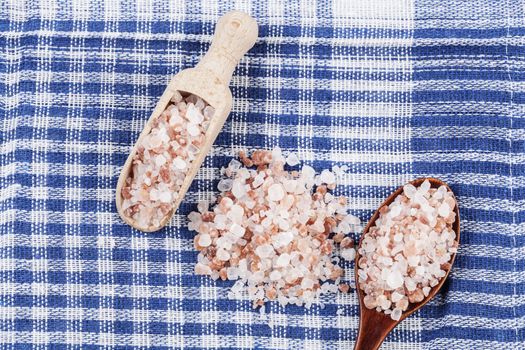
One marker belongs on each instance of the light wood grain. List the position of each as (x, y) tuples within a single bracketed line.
[(235, 33)]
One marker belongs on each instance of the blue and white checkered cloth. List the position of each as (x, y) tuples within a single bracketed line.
[(393, 89)]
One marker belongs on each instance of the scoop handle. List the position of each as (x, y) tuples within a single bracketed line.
[(235, 33)]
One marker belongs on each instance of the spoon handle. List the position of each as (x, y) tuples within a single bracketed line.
[(235, 33), (373, 329)]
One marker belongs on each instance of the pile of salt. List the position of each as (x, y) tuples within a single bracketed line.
[(273, 233)]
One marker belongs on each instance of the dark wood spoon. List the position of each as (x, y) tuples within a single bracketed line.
[(374, 326)]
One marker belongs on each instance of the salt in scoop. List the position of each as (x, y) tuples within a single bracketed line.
[(374, 326), (207, 85)]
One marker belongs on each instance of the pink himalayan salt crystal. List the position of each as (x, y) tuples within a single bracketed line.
[(275, 192), (204, 240), (292, 159), (327, 177), (163, 158), (348, 254), (396, 314), (408, 250), (271, 232)]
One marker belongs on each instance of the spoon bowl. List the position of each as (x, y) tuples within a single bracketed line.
[(374, 326)]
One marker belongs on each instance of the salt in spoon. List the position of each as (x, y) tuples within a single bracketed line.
[(235, 33), (374, 326)]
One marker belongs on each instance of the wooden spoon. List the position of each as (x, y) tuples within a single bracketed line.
[(374, 326), (235, 33)]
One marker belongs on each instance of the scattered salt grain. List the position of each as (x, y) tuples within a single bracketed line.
[(394, 280), (264, 251), (238, 189), (275, 192), (348, 254), (327, 177), (165, 197), (292, 159), (419, 223), (204, 240), (235, 213), (223, 255), (225, 185), (396, 314), (283, 260), (271, 232), (193, 130), (444, 210), (262, 313), (275, 275), (179, 163), (160, 160), (237, 230), (344, 288), (194, 115)]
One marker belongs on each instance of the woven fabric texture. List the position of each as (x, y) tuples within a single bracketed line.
[(393, 89)]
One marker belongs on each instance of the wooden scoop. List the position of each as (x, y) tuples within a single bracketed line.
[(235, 33), (374, 326)]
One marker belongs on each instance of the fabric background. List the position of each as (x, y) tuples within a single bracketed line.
[(393, 89)]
